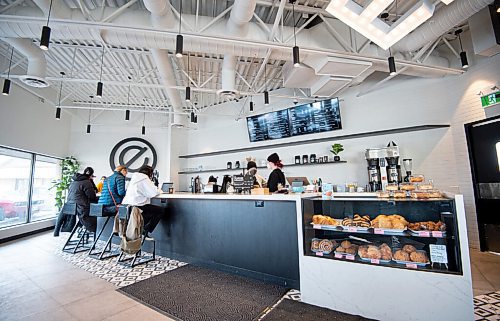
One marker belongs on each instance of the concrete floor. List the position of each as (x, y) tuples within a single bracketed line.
[(37, 285)]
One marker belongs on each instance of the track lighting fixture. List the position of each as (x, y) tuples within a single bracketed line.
[(392, 64), (58, 110), (179, 41), (295, 50), (463, 54), (45, 38), (6, 82), (99, 84)]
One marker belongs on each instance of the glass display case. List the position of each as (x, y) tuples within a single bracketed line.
[(394, 233)]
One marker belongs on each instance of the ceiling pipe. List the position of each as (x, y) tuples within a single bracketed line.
[(236, 26), (442, 21), (162, 17), (37, 64)]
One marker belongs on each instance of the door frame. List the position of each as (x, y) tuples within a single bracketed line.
[(468, 133)]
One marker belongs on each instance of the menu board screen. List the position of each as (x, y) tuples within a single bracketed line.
[(315, 117), (273, 125)]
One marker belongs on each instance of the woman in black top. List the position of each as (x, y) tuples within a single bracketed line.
[(276, 177)]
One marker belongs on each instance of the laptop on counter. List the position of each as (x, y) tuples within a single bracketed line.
[(165, 187)]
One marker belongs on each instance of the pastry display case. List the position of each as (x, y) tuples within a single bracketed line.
[(405, 233)]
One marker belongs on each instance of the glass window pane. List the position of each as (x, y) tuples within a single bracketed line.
[(43, 204), (15, 170)]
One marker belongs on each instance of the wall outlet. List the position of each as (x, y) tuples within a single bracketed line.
[(259, 203)]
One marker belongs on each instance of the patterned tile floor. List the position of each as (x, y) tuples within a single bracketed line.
[(486, 306)]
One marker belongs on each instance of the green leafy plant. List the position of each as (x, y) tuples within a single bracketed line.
[(336, 149), (69, 166)]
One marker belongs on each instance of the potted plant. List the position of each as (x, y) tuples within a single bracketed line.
[(336, 149), (69, 166)]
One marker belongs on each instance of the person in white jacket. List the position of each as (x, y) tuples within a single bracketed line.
[(139, 193)]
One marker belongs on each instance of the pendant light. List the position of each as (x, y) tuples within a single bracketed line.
[(6, 82), (58, 110), (251, 103), (143, 130), (192, 116), (392, 64), (127, 112), (295, 50), (99, 84), (463, 54), (90, 110), (188, 89), (266, 93), (45, 38), (179, 41)]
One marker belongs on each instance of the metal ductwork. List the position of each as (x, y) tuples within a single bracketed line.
[(161, 17), (237, 26), (37, 64), (446, 18)]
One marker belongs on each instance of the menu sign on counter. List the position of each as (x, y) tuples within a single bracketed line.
[(316, 117), (269, 126)]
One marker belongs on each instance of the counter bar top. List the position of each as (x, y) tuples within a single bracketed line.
[(219, 196)]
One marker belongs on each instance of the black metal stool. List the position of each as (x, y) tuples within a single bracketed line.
[(77, 245), (97, 210), (137, 258)]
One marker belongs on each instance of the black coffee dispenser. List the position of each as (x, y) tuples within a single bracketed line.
[(225, 183)]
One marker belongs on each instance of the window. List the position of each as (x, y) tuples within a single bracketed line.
[(498, 154), (25, 181), (43, 204)]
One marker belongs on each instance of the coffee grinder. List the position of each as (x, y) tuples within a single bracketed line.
[(408, 164), (393, 167)]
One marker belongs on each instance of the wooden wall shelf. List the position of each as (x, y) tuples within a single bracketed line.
[(241, 169)]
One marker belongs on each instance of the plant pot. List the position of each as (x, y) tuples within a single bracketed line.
[(336, 158)]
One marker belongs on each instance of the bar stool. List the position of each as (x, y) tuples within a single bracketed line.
[(137, 258), (97, 210), (77, 245)]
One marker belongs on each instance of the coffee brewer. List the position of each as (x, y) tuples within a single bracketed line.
[(393, 167), (373, 157)]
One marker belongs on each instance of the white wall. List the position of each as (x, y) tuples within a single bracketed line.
[(109, 128), (439, 154), (29, 124)]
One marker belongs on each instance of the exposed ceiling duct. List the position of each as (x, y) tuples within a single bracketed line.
[(161, 17), (443, 20), (37, 65), (237, 25)]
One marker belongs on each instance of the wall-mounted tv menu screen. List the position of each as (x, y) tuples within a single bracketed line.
[(273, 125), (310, 118), (317, 117)]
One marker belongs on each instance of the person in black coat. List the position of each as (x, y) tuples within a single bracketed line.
[(276, 177), (82, 192)]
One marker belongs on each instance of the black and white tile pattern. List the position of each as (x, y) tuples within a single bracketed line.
[(487, 307)]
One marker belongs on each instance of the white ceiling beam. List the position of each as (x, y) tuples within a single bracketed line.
[(12, 5), (118, 11), (216, 19)]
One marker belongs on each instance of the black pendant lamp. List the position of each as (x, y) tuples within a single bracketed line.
[(90, 110), (295, 50), (188, 89), (179, 41), (45, 38), (99, 84), (192, 116), (58, 110), (463, 54), (266, 93), (143, 130), (392, 64), (251, 103), (127, 112), (6, 82)]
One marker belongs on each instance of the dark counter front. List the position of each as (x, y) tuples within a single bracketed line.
[(233, 236)]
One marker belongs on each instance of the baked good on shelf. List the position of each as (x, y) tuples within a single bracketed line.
[(425, 187), (420, 195), (419, 257), (408, 187), (345, 244), (401, 255), (392, 187), (416, 179), (326, 246), (390, 222), (385, 252), (315, 245), (351, 250), (383, 194), (399, 194), (373, 252), (434, 194), (409, 248), (427, 226), (324, 220)]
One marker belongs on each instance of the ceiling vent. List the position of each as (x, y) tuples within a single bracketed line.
[(227, 94), (34, 81)]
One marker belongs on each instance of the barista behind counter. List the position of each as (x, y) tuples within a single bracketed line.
[(276, 178)]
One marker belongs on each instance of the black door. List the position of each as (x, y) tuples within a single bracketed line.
[(483, 140)]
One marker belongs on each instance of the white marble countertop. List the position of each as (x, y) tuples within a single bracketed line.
[(271, 197)]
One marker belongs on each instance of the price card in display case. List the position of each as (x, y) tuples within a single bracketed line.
[(438, 253), (319, 253)]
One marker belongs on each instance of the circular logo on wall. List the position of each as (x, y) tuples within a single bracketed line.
[(133, 153)]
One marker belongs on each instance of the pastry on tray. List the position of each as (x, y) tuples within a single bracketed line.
[(326, 246), (409, 248), (419, 257), (401, 255), (347, 247), (324, 220), (358, 221), (390, 222), (427, 226), (386, 252), (315, 245)]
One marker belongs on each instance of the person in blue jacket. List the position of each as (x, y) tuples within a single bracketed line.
[(113, 185)]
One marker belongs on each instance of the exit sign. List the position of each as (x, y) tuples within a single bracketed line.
[(491, 99)]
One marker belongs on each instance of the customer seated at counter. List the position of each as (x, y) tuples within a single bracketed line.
[(139, 193), (113, 190), (276, 179)]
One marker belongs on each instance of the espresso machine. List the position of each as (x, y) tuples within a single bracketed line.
[(393, 168)]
